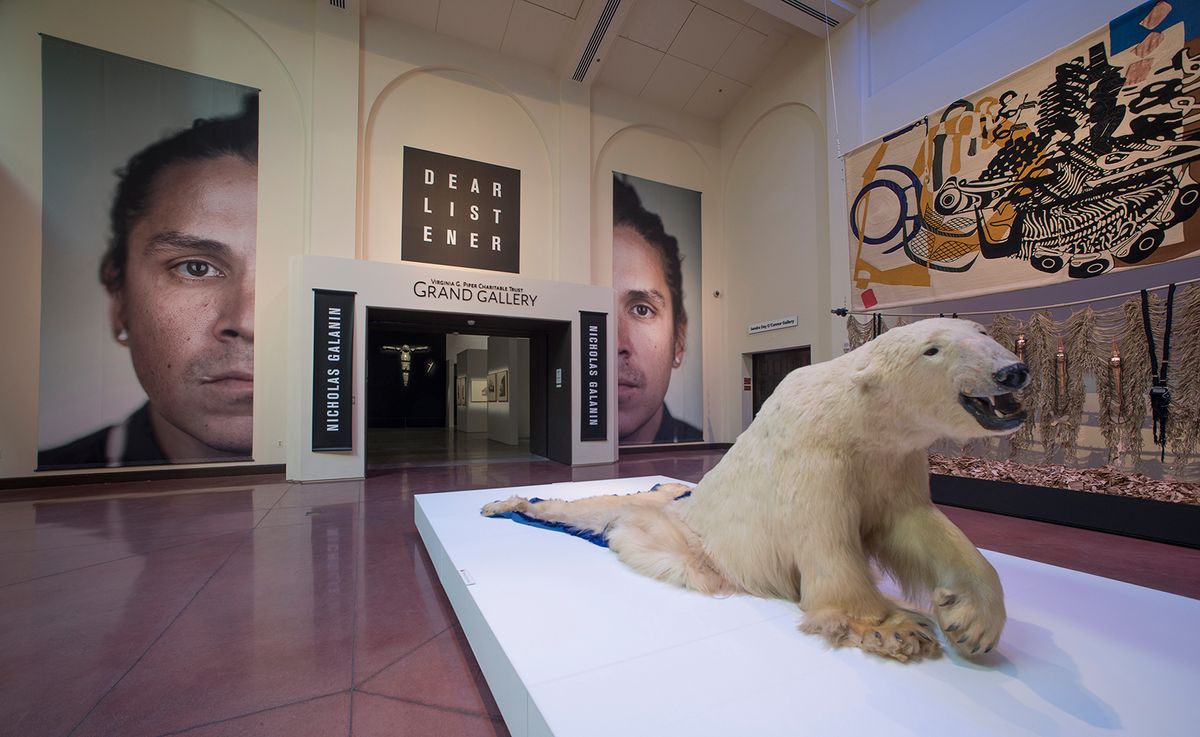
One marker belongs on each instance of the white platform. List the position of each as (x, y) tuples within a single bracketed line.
[(572, 643)]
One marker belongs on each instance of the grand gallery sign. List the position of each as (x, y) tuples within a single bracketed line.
[(470, 292)]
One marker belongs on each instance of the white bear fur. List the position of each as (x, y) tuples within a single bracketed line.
[(831, 475)]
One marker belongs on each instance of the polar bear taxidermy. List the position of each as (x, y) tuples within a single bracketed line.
[(831, 475)]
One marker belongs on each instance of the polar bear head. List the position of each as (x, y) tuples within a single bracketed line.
[(945, 376)]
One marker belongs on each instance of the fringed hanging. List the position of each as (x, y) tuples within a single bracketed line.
[(857, 333), (1135, 382), (1039, 398), (1184, 430), (1004, 331), (1082, 355), (1110, 346), (1115, 405), (1023, 437)]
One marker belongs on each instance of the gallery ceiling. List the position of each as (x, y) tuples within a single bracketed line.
[(700, 57)]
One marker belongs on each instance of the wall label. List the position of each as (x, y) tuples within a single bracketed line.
[(783, 322), (460, 212), (333, 370)]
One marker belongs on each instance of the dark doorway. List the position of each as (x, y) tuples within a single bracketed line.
[(769, 369), (389, 406)]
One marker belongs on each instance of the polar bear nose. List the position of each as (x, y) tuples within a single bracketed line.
[(1012, 377)]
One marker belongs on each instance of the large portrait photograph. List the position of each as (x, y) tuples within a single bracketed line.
[(656, 277), (149, 223)]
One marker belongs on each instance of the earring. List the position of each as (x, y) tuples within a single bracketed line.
[(123, 336)]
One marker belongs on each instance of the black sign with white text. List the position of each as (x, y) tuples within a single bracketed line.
[(459, 212), (593, 357), (333, 370)]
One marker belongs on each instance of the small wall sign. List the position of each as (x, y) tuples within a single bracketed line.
[(783, 322)]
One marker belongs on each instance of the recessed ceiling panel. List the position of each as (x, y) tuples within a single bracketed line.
[(656, 23), (704, 37), (673, 82), (629, 66), (536, 34), (480, 23), (715, 96)]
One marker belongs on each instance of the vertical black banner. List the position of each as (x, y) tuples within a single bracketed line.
[(459, 212), (593, 357), (333, 370)]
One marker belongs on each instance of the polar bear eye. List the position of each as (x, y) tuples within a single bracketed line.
[(932, 351)]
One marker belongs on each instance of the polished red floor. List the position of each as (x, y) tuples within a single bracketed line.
[(251, 606)]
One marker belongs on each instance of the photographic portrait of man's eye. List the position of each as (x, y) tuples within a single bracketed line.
[(643, 310), (197, 270)]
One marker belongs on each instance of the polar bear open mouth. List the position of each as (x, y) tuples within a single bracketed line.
[(999, 412)]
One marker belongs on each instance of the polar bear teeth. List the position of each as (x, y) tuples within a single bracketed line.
[(1002, 411), (1005, 405), (1001, 405)]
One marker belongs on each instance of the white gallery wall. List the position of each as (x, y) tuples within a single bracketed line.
[(456, 344), (433, 93), (776, 226), (472, 365), (503, 417)]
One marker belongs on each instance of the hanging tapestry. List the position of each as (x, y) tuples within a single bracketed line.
[(1079, 164)]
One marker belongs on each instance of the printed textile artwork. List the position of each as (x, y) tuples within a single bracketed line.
[(1077, 165)]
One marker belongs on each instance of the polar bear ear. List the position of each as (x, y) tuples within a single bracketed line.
[(865, 378)]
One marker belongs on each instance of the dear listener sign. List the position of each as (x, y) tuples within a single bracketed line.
[(459, 212)]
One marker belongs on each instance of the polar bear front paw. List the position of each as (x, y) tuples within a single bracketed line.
[(972, 621), (903, 635), (511, 504)]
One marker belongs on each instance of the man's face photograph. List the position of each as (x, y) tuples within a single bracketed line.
[(186, 306), (648, 348), (656, 281), (150, 211)]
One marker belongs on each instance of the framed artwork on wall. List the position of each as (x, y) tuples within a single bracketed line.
[(502, 386), (460, 391), (491, 387), (479, 392)]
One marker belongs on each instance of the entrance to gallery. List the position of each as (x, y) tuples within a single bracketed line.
[(770, 367), (427, 376)]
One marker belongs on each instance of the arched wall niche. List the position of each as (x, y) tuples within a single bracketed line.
[(776, 203), (460, 113)]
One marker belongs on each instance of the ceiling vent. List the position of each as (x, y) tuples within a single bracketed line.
[(339, 4), (588, 58), (811, 12)]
